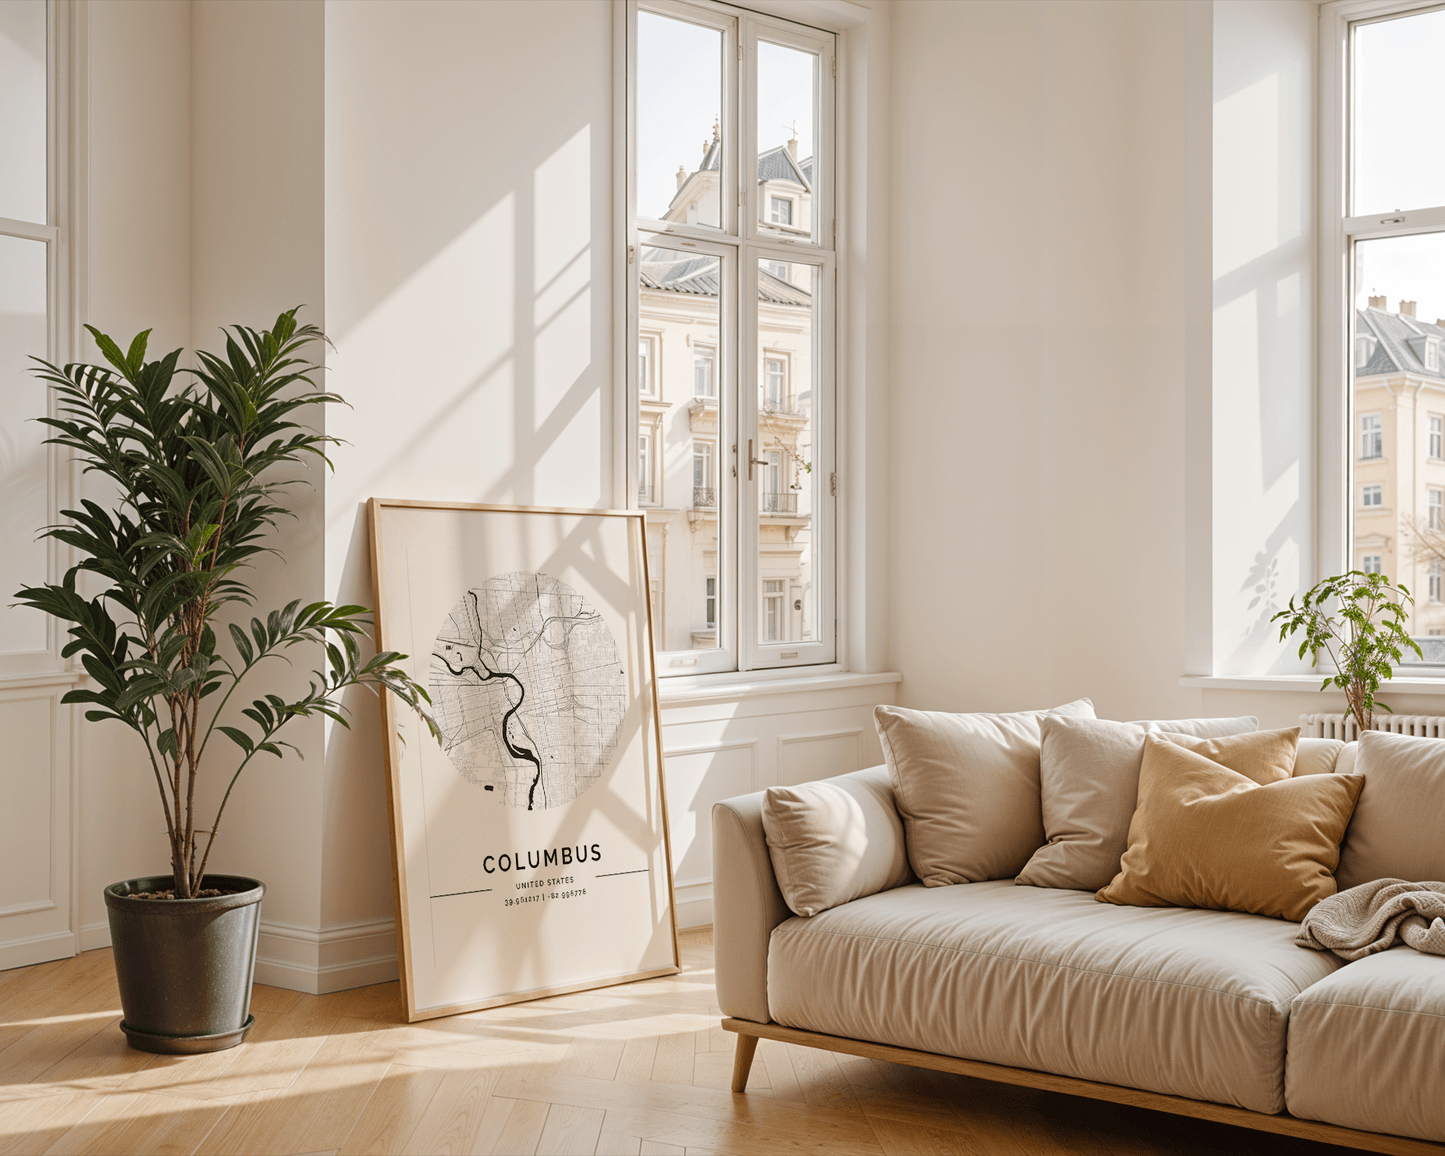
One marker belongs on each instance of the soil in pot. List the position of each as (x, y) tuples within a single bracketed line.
[(185, 966)]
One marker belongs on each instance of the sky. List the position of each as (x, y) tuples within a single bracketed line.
[(1399, 160), (679, 97)]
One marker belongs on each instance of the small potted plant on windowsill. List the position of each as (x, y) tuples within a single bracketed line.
[(1364, 638), (194, 471)]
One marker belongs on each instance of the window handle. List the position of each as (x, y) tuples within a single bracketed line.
[(752, 461)]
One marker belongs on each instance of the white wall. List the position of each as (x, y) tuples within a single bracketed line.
[(1038, 424), (469, 295), (1264, 306), (139, 277)]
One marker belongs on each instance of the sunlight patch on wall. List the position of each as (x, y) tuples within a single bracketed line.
[(1247, 175)]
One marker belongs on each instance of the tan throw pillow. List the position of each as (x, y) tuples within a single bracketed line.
[(1089, 778), (1207, 836), (967, 787), (834, 841), (1398, 831)]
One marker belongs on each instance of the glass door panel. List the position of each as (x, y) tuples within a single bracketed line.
[(679, 121), (787, 139), (784, 465), (24, 478), (1397, 442), (681, 439)]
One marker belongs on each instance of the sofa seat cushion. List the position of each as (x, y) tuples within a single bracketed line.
[(1366, 1044), (1188, 1002)]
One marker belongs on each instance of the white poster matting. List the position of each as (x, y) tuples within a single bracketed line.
[(530, 845)]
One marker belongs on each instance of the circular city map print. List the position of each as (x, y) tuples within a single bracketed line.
[(528, 689)]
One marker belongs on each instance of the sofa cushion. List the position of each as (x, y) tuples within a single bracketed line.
[(1365, 1046), (1205, 835), (1202, 728), (1317, 756), (834, 840), (1089, 783), (967, 787), (1192, 1003), (1396, 832)]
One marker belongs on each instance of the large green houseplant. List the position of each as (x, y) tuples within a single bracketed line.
[(200, 471), (1359, 620)]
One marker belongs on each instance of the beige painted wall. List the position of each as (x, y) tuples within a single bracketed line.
[(1037, 418)]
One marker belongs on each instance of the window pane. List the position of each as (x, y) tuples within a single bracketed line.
[(23, 480), (1399, 91), (783, 469), (787, 137), (1399, 399), (679, 106), (678, 305), (22, 110)]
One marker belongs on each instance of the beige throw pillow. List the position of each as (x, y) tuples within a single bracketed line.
[(834, 841), (967, 787), (1398, 831), (1203, 728), (1089, 777), (1207, 836)]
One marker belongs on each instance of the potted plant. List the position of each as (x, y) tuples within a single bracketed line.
[(1363, 639), (200, 472)]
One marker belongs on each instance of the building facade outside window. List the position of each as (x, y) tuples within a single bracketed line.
[(732, 270)]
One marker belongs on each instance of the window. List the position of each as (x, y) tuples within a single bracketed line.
[(774, 611), (1372, 496), (1383, 211), (646, 370), (1372, 438), (1435, 582), (710, 603), (704, 359), (34, 295), (775, 384), (730, 268), (644, 469), (704, 493)]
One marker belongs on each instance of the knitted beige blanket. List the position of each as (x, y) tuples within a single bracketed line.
[(1372, 916)]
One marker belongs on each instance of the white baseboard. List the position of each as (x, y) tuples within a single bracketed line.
[(303, 959), (38, 949), (694, 904)]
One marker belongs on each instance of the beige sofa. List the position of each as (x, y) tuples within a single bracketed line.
[(1212, 1014)]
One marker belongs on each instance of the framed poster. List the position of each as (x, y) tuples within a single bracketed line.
[(530, 848)]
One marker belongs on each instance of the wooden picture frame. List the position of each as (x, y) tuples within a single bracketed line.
[(530, 850)]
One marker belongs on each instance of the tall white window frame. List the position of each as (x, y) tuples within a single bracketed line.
[(744, 243), (64, 215), (1341, 437)]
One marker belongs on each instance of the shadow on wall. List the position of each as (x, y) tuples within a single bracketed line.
[(1263, 334)]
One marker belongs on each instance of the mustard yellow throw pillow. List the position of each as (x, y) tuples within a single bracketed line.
[(1207, 836)]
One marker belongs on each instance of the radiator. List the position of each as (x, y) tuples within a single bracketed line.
[(1344, 727)]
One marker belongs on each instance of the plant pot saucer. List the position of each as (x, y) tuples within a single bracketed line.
[(186, 1045)]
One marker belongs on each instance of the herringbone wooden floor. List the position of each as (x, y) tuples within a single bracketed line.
[(641, 1068)]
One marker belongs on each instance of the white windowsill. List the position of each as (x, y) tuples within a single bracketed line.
[(1309, 683), (731, 686)]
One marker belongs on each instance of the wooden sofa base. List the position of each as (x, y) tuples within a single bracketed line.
[(749, 1033)]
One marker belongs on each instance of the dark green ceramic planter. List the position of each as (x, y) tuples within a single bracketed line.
[(185, 965)]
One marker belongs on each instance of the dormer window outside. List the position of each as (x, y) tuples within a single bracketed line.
[(780, 211), (1432, 353)]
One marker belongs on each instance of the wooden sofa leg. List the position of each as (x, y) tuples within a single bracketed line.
[(743, 1061)]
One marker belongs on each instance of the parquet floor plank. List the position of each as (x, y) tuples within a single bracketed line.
[(140, 1123), (570, 1131), (639, 1069)]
